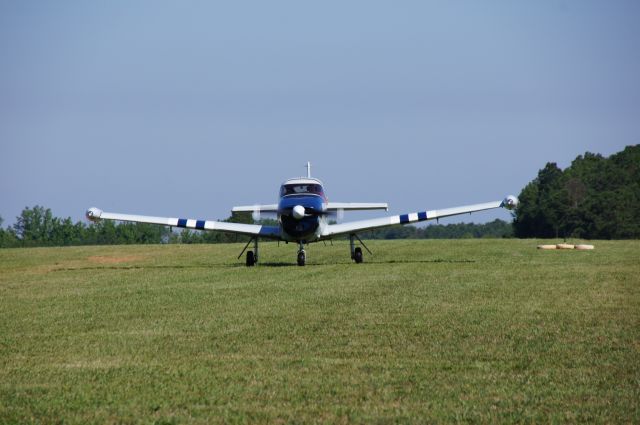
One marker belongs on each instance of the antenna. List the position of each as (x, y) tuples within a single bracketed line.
[(308, 170)]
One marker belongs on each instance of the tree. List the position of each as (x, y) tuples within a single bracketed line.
[(596, 197), (7, 237), (34, 226), (540, 208)]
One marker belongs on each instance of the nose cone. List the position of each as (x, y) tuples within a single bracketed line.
[(298, 212)]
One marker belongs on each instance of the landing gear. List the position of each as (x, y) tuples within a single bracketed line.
[(357, 255), (252, 256), (251, 259), (356, 252), (302, 256)]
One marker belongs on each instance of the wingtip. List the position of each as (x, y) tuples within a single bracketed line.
[(510, 202), (93, 214)]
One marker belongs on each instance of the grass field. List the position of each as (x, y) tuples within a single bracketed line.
[(423, 331)]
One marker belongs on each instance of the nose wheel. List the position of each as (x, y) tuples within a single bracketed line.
[(302, 256)]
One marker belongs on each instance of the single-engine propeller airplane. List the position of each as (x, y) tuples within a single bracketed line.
[(303, 212)]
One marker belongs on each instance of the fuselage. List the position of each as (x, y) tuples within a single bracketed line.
[(302, 209)]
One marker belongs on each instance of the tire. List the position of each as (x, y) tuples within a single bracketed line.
[(251, 259), (301, 258), (357, 255)]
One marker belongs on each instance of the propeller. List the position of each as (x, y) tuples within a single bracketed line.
[(299, 212)]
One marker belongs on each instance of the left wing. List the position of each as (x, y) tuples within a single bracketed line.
[(509, 203), (272, 232)]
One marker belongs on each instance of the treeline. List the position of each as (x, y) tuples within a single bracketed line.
[(594, 198), (38, 227)]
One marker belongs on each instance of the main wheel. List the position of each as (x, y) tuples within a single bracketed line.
[(301, 258), (357, 255), (251, 259)]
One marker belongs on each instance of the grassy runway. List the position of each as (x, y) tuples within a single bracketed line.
[(423, 331)]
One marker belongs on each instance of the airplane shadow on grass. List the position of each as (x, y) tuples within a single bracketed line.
[(433, 261), (265, 264)]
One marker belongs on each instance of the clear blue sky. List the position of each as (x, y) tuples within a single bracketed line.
[(188, 108)]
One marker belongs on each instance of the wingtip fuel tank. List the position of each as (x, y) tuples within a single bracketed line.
[(510, 202), (93, 214)]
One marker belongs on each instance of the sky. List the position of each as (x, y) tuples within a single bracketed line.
[(185, 109)]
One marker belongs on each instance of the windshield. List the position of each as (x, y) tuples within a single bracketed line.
[(295, 189)]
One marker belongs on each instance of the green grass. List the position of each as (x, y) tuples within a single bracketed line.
[(423, 331)]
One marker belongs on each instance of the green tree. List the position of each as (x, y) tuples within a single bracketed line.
[(594, 198), (7, 237), (34, 226), (541, 205)]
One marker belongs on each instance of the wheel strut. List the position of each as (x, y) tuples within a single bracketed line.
[(252, 256)]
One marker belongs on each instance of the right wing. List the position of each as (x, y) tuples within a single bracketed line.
[(272, 232), (358, 226)]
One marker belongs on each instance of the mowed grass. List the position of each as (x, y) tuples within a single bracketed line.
[(423, 331)]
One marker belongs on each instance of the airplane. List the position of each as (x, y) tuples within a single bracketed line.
[(303, 213)]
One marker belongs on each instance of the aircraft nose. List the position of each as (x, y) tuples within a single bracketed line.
[(298, 212)]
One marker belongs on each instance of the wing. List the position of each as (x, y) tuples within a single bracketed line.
[(352, 206), (96, 214), (270, 208), (358, 226), (331, 206)]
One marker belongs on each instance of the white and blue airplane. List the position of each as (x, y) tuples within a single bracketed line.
[(303, 212)]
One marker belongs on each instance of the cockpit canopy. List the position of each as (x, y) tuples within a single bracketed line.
[(301, 189)]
